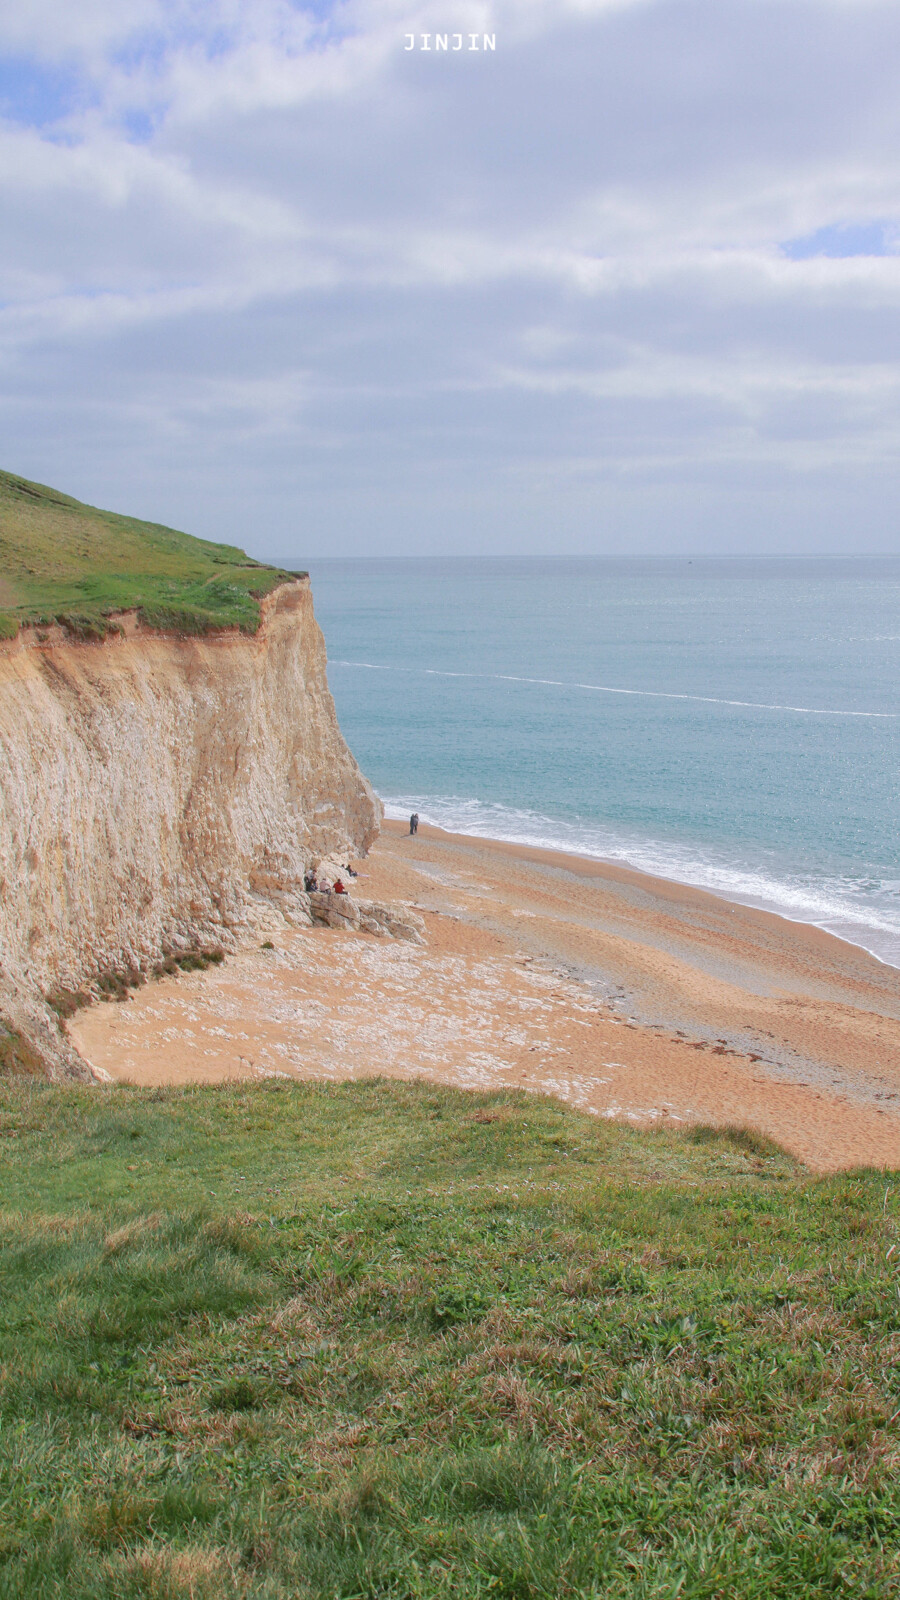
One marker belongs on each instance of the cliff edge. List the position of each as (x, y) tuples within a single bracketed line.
[(159, 794)]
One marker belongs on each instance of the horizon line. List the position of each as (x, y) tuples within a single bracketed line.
[(871, 555)]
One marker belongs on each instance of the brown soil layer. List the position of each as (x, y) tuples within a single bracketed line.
[(625, 995)]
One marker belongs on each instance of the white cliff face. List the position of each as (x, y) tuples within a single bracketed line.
[(159, 792)]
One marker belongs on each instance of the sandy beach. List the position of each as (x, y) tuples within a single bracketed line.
[(625, 995)]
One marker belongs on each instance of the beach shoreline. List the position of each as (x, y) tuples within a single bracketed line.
[(666, 888), (611, 865), (623, 994)]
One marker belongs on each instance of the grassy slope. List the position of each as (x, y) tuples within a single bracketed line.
[(383, 1340), (63, 560)]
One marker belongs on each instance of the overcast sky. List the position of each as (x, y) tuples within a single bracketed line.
[(628, 282)]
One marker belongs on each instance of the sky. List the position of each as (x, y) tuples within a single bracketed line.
[(628, 282)]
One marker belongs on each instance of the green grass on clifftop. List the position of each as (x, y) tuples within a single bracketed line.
[(66, 562), (382, 1341)]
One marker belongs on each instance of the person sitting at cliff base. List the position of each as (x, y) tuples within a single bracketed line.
[(339, 887)]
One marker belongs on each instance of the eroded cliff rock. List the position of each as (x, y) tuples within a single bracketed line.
[(344, 911), (160, 793)]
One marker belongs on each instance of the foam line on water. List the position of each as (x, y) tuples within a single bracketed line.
[(605, 688)]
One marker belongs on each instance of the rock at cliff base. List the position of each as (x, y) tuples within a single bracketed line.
[(343, 911)]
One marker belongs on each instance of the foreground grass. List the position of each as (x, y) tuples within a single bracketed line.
[(61, 561), (387, 1340)]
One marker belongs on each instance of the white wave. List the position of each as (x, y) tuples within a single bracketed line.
[(605, 688), (865, 915)]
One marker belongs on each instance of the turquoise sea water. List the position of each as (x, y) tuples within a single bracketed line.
[(730, 724)]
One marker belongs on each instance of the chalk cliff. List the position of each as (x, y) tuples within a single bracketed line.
[(160, 793)]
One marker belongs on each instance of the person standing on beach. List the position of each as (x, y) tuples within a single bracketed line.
[(414, 823)]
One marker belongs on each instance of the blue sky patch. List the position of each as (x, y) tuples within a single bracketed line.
[(842, 239), (35, 95), (139, 126), (322, 10), (330, 17)]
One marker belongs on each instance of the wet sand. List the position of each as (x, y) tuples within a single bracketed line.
[(625, 995)]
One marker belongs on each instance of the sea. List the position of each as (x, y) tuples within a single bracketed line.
[(731, 724)]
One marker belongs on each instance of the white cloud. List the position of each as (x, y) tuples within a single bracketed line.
[(50, 29), (272, 244)]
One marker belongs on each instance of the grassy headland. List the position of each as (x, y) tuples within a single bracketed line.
[(385, 1340), (61, 561)]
